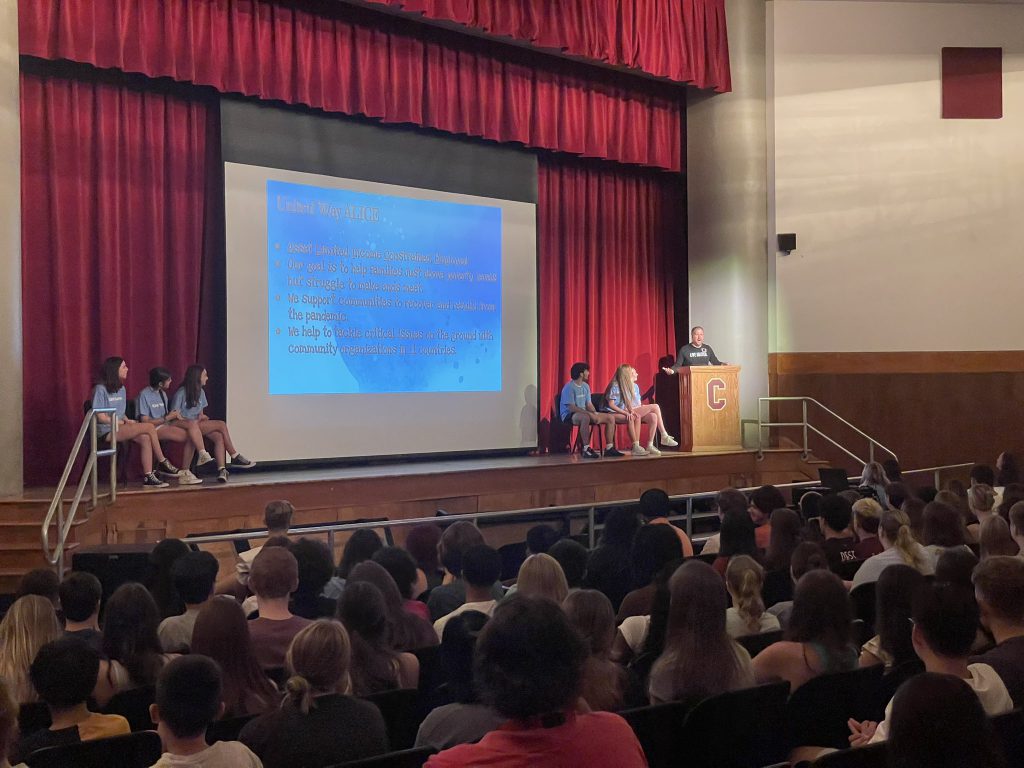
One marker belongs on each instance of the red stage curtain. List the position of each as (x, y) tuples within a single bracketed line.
[(112, 215), (610, 239), (684, 40), (368, 64)]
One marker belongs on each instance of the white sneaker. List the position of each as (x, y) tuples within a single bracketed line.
[(638, 451), (187, 478), (669, 442), (652, 450), (203, 457)]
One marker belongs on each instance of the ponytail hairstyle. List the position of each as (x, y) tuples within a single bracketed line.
[(745, 579), (896, 527), (625, 382), (317, 662), (193, 385), (981, 498), (110, 374)]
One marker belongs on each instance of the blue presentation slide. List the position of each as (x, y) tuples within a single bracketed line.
[(381, 293)]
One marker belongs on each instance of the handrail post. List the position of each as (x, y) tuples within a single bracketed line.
[(871, 450), (760, 429), (938, 479), (113, 458), (803, 404), (94, 472)]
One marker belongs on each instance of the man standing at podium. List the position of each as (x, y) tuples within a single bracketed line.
[(694, 353)]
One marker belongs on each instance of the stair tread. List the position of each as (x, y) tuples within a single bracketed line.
[(26, 546)]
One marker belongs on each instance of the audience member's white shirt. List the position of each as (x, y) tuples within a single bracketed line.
[(736, 625), (872, 568), (634, 631)]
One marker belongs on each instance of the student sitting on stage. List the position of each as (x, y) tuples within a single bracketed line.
[(111, 393), (64, 674), (189, 401), (622, 398), (151, 407), (576, 407)]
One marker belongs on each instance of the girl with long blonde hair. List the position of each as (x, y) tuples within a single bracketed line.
[(541, 576), (744, 578), (622, 399), (30, 624)]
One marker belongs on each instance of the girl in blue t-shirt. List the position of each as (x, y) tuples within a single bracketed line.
[(622, 398), (152, 408), (111, 393), (189, 401)]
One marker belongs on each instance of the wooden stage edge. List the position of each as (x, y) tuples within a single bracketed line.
[(402, 491)]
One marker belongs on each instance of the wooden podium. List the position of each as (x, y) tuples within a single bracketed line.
[(701, 404)]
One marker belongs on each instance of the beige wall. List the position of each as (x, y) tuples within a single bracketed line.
[(910, 228), (10, 253)]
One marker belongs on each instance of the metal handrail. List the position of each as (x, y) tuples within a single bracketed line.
[(808, 427), (554, 511), (90, 425)]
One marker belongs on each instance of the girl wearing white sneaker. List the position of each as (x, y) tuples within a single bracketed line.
[(189, 401), (110, 392), (151, 407), (632, 412)]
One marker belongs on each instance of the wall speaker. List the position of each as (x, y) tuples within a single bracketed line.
[(787, 242)]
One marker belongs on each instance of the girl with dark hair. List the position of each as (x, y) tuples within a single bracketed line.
[(700, 659), (892, 645), (738, 537), (130, 642), (222, 633), (786, 535), (110, 392), (808, 556), (406, 631), (609, 569), (190, 401), (942, 528), (151, 407), (422, 543), (376, 666), (818, 636), (319, 723), (362, 545), (654, 546), (159, 582), (1007, 470), (645, 635)]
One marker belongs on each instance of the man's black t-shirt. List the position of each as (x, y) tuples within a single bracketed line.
[(691, 355), (1007, 659), (839, 551)]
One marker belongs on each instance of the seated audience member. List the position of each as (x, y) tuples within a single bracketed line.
[(541, 576), (188, 699), (30, 624), (1007, 470), (810, 511), (466, 719), (130, 643), (808, 556), (456, 539), (42, 582), (405, 631), (942, 527), (931, 705), (316, 565), (273, 577), (655, 508), (867, 514), (654, 546), (699, 659), (530, 669), (836, 516), (763, 502), (362, 545), (955, 496), (914, 510), (738, 537), (481, 567), (955, 566), (159, 580), (1016, 521), (80, 595), (540, 538), (898, 493), (983, 474), (422, 543), (898, 548), (319, 723), (999, 589), (64, 673), (818, 638), (376, 665), (1012, 494), (8, 723), (995, 539), (610, 566), (787, 531), (572, 556), (927, 493), (194, 577), (744, 579), (981, 500), (892, 470), (222, 633), (945, 620), (408, 578), (645, 635), (606, 685), (851, 495), (277, 517), (892, 645), (874, 478), (727, 500)]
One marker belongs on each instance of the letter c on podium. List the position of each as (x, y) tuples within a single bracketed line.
[(716, 394)]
